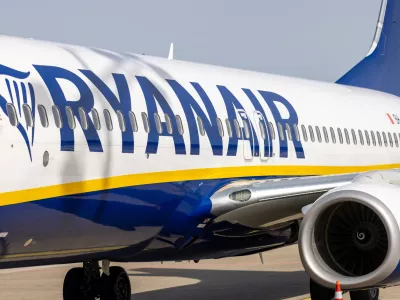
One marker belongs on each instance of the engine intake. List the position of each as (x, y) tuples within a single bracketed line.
[(352, 238), (352, 233)]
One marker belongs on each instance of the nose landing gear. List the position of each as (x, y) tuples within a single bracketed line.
[(87, 284)]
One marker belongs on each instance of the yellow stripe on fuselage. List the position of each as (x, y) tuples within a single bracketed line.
[(94, 185)]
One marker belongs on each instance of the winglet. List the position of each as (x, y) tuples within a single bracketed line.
[(171, 51)]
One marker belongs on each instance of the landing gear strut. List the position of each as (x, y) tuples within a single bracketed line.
[(87, 284), (319, 292)]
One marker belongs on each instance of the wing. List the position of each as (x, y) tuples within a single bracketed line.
[(264, 203)]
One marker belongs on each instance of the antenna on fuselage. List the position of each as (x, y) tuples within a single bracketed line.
[(171, 51)]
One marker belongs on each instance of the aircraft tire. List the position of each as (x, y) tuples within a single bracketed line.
[(370, 294), (117, 285), (319, 292), (72, 288)]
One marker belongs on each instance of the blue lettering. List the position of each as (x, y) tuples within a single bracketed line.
[(122, 103), (270, 98), (232, 104), (268, 142), (151, 95), (191, 107), (50, 75)]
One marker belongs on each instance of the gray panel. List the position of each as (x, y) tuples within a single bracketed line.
[(272, 201)]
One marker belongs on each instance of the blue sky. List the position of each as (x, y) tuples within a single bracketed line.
[(305, 38)]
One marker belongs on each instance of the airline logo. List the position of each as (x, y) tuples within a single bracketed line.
[(20, 91)]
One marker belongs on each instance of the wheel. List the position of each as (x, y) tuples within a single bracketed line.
[(370, 294), (319, 292), (117, 286), (73, 285)]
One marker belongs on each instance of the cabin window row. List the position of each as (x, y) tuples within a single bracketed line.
[(304, 133), (95, 117), (83, 119), (338, 135)]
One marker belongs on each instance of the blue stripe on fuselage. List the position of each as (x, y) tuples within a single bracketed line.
[(122, 217)]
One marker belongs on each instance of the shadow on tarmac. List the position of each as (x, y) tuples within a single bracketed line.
[(228, 284)]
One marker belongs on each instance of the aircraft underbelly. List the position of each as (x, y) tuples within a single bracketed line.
[(90, 223)]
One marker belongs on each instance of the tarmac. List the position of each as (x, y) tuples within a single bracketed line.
[(280, 277)]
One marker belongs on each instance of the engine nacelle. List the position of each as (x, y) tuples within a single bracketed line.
[(352, 233)]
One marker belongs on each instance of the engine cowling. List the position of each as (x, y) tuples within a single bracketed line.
[(352, 233)]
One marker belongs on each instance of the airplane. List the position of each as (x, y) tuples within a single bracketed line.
[(120, 157)]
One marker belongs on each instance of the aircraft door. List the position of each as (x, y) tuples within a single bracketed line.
[(246, 134), (264, 138)]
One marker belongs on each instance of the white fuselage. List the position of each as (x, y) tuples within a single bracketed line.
[(69, 172)]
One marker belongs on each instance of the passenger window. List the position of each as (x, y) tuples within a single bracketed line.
[(157, 120), (168, 123), (303, 129), (289, 132), (318, 134), (353, 133), (57, 116), (325, 134), (12, 114), (262, 129), (384, 139), (246, 129), (310, 129), (82, 117), (280, 130), (201, 126), (367, 137), (346, 134), (95, 118), (333, 135), (43, 116), (390, 139), (146, 124), (121, 120), (220, 127), (229, 127), (179, 124), (272, 130), (340, 135), (107, 117), (132, 119), (296, 132), (396, 141), (361, 137), (28, 115), (70, 117), (237, 129), (378, 135), (373, 138)]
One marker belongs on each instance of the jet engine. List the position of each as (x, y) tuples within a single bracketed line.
[(352, 233)]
